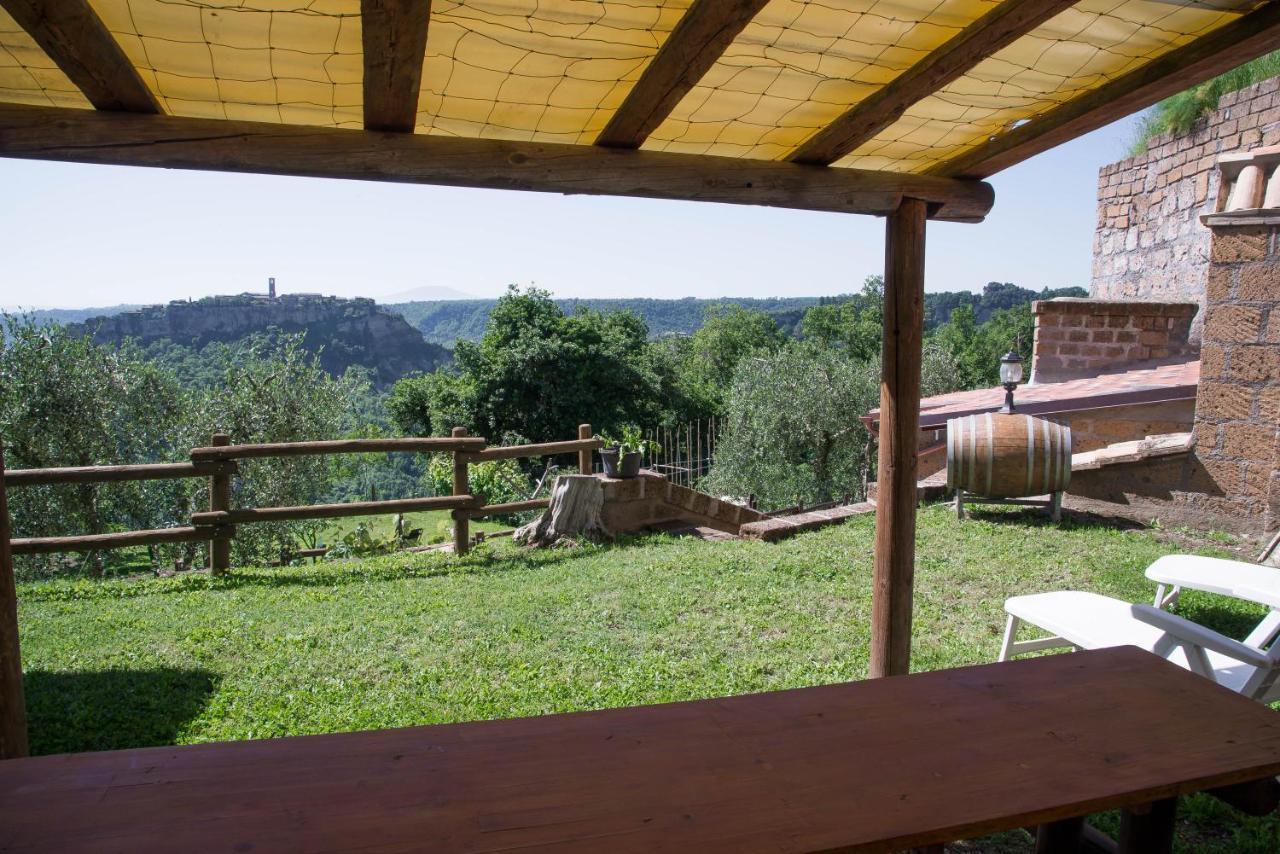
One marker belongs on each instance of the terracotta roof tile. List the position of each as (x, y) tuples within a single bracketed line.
[(1143, 385)]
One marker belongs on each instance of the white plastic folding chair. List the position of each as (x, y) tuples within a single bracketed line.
[(1082, 620), (1172, 573)]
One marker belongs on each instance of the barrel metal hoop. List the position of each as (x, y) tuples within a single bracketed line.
[(1066, 446)]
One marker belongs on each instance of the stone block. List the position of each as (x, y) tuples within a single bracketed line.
[(1226, 401), (1154, 337), (1233, 323), (1218, 285), (1078, 335), (1268, 404), (1240, 243), (1256, 480), (1223, 477), (1249, 441), (1259, 281), (1253, 363), (1212, 361), (1206, 438), (1273, 327)]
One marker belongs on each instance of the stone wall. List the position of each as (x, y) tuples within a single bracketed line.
[(1238, 402), (1082, 338), (1149, 243)]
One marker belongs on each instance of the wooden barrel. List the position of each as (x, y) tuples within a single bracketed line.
[(1007, 456)]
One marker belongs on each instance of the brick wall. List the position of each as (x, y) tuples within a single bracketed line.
[(1079, 338), (1149, 242), (1238, 402)]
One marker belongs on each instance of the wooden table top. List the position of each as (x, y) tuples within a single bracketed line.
[(876, 766)]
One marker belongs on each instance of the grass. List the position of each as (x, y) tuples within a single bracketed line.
[(436, 525), (427, 638)]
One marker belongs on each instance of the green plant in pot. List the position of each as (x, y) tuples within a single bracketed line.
[(621, 456)]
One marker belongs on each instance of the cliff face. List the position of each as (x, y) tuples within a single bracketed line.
[(344, 332)]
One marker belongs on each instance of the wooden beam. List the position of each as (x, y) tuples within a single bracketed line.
[(899, 427), (699, 39), (394, 33), (1212, 54), (995, 30), (85, 136), (76, 39), (13, 707), (119, 540)]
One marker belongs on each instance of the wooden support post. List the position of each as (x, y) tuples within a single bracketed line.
[(1148, 830), (220, 499), (461, 486), (13, 706), (584, 457), (1060, 837), (899, 427)]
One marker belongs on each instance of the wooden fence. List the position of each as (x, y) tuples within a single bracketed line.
[(687, 450), (219, 463)]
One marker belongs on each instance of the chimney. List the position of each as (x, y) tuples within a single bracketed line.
[(1078, 338), (271, 287), (1237, 425)]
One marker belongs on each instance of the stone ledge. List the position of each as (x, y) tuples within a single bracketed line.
[(1164, 445), (780, 527)]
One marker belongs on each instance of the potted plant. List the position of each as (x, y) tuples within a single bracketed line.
[(621, 457)]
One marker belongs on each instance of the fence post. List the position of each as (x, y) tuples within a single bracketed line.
[(584, 457), (220, 500), (461, 518), (13, 708)]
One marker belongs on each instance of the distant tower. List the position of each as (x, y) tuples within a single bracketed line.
[(271, 287)]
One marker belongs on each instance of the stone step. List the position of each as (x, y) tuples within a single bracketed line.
[(780, 527)]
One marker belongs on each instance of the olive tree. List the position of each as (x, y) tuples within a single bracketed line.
[(792, 429), (66, 401), (275, 392)]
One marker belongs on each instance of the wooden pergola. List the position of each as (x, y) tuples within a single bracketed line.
[(859, 107)]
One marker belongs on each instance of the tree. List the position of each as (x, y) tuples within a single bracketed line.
[(274, 393), (65, 401), (537, 373), (792, 427), (974, 350), (854, 326)]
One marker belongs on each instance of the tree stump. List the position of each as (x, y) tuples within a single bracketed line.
[(574, 512)]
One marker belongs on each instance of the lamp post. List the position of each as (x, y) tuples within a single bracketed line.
[(1010, 376)]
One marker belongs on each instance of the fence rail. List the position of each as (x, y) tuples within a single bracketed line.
[(115, 474), (336, 446), (217, 463), (120, 540)]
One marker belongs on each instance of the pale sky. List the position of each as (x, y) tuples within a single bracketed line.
[(74, 236)]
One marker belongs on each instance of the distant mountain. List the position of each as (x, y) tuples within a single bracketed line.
[(427, 293), (345, 332), (63, 316), (445, 321)]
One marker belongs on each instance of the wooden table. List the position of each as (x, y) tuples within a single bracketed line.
[(868, 766)]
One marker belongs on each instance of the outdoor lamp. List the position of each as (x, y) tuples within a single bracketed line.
[(1010, 376)]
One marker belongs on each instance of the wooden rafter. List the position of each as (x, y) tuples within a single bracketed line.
[(995, 30), (75, 38), (394, 33), (698, 40), (1212, 54), (52, 133)]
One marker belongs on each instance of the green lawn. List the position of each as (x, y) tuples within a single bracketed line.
[(414, 639)]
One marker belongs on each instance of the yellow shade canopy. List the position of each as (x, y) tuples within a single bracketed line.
[(557, 70)]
